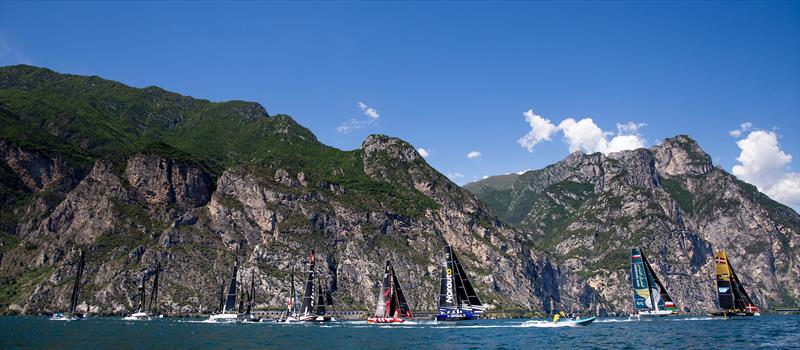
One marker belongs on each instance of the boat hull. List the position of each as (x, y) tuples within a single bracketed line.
[(225, 318), (138, 316), (65, 317), (385, 320), (735, 314), (657, 313)]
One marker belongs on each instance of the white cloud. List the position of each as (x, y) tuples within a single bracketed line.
[(455, 176), (369, 111), (473, 155), (764, 164), (484, 177), (583, 135), (423, 152), (354, 124), (541, 130), (744, 127)]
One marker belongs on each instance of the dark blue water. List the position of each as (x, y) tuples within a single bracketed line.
[(682, 332)]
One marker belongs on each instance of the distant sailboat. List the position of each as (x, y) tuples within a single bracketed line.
[(457, 298), (733, 299), (70, 315), (391, 306), (248, 315), (650, 298), (147, 312), (311, 309), (292, 306), (227, 312)]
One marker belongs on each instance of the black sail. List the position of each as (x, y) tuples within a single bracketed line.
[(320, 307), (448, 297), (230, 298), (76, 288), (154, 294), (308, 293), (741, 299), (142, 299), (469, 291), (405, 311)]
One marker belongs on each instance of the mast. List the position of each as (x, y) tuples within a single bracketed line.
[(320, 307), (154, 294), (308, 298), (294, 307), (222, 297), (76, 288)]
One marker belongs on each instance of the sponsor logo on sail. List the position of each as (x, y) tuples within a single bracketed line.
[(723, 289), (449, 290)]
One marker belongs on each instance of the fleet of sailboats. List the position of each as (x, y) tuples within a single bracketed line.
[(458, 299), (70, 315), (650, 298)]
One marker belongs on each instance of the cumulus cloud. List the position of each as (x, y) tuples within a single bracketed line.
[(369, 111), (541, 130), (583, 135), (744, 127), (764, 164), (354, 124), (423, 152), (473, 155)]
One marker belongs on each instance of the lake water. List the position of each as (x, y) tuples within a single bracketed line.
[(673, 332)]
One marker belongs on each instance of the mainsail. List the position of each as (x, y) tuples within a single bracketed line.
[(448, 297), (648, 292), (154, 294), (731, 293), (230, 298), (76, 288), (142, 299), (391, 300), (308, 293), (320, 307)]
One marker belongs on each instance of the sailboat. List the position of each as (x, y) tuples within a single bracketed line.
[(292, 313), (391, 306), (227, 311), (733, 299), (312, 309), (250, 306), (70, 315), (650, 298), (147, 312), (457, 298)]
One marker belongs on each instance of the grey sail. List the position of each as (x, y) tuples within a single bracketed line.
[(230, 298)]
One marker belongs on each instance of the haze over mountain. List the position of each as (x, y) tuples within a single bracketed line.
[(135, 176)]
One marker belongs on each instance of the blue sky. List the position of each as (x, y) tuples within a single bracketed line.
[(454, 78)]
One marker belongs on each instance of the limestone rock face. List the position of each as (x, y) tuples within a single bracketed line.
[(156, 179), (670, 201)]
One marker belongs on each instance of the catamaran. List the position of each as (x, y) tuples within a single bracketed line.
[(70, 315), (733, 299), (292, 313), (650, 298), (147, 313), (312, 308), (227, 312), (457, 298), (250, 306), (391, 305)]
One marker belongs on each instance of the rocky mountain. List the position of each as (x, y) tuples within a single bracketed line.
[(588, 210), (138, 176)]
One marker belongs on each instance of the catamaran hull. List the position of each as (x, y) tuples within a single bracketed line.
[(659, 313), (225, 318), (62, 317), (735, 314), (385, 320), (138, 316)]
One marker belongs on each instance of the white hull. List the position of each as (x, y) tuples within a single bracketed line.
[(138, 316), (655, 313), (62, 317), (225, 318), (310, 318)]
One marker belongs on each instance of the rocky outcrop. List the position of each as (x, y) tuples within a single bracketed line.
[(158, 180), (671, 201)]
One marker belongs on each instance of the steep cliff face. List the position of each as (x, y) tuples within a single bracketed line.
[(671, 201), (138, 176)]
